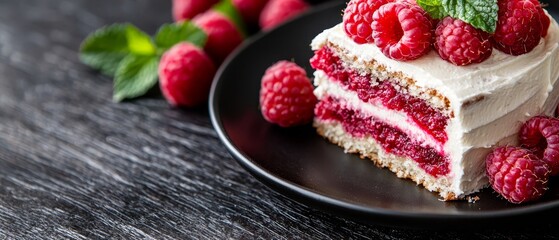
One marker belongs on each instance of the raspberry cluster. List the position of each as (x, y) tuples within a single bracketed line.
[(262, 14), (404, 31), (520, 174), (185, 71)]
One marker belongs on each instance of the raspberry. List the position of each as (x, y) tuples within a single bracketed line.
[(286, 95), (250, 9), (402, 31), (460, 43), (358, 17), (223, 35), (544, 20), (519, 26), (517, 174), (187, 9), (541, 135), (185, 75), (278, 11)]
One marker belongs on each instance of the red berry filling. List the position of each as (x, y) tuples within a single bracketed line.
[(392, 139), (425, 116)]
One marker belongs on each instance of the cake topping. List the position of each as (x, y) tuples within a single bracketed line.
[(358, 17), (519, 27), (460, 43), (545, 21), (541, 135), (517, 174), (402, 31), (481, 14), (514, 27), (286, 95)]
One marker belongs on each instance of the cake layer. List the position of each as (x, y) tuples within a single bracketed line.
[(381, 89), (327, 87), (369, 148), (358, 129), (390, 138)]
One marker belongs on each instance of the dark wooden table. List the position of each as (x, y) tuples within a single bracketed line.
[(75, 165)]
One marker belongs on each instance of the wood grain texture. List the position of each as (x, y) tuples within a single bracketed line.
[(75, 165)]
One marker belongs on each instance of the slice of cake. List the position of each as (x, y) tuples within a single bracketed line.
[(428, 119)]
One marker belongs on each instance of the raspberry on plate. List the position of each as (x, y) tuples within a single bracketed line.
[(517, 174), (402, 31), (358, 17), (541, 135), (460, 43), (278, 11), (519, 26), (188, 9), (185, 75), (286, 95), (223, 35)]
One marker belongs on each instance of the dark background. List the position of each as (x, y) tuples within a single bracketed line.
[(75, 165)]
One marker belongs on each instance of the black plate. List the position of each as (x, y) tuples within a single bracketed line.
[(303, 166)]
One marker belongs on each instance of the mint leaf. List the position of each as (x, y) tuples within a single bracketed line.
[(433, 7), (135, 75), (228, 9), (106, 47), (481, 14), (139, 42), (170, 34)]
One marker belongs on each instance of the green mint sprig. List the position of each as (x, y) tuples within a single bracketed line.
[(481, 14), (131, 56)]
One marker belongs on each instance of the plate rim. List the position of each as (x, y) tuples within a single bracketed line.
[(311, 199)]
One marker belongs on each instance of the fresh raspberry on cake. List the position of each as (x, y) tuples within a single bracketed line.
[(460, 43), (286, 95), (250, 9), (541, 135), (185, 75), (544, 20), (517, 174), (358, 17), (402, 31), (223, 35), (519, 26), (188, 9), (278, 11)]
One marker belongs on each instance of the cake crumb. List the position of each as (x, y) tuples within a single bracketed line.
[(472, 199)]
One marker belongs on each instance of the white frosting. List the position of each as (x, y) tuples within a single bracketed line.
[(507, 90)]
